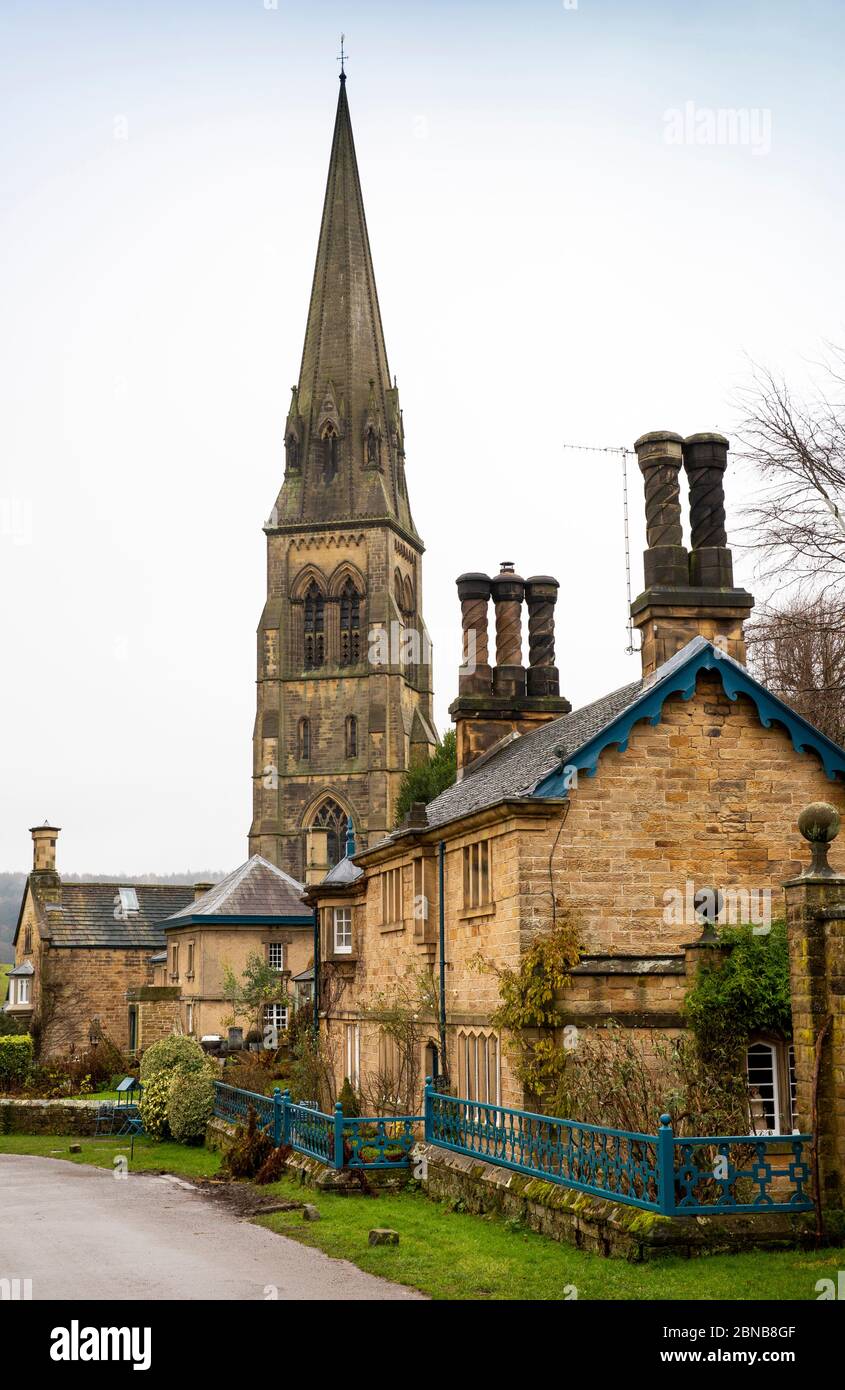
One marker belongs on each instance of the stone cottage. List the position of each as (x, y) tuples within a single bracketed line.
[(256, 910), (83, 957), (687, 780)]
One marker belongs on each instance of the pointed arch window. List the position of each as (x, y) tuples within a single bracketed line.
[(314, 627), (304, 740), (332, 818), (351, 736), (331, 453), (350, 625)]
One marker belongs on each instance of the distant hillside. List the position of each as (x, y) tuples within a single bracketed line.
[(12, 886)]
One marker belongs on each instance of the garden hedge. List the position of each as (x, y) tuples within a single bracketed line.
[(16, 1057)]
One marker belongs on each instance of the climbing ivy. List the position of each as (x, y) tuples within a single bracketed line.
[(743, 991), (528, 1008)]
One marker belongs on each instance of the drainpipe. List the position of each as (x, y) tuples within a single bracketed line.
[(441, 875), (316, 972)]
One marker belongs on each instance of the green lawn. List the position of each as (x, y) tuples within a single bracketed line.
[(149, 1157), (453, 1255), (94, 1095)]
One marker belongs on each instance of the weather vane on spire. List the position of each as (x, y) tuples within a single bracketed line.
[(342, 59)]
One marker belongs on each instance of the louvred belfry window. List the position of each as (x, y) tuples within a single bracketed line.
[(350, 625), (314, 624)]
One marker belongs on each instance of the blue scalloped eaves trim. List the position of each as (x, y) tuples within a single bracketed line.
[(681, 680)]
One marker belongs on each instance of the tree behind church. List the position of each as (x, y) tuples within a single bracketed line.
[(427, 780)]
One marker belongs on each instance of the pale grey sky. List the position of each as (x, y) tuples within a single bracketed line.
[(551, 268)]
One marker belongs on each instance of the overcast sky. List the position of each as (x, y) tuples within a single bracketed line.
[(557, 262)]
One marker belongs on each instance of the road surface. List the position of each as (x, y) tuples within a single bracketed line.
[(79, 1232)]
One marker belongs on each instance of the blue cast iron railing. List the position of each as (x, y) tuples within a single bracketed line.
[(663, 1172), (740, 1173), (338, 1140), (232, 1104), (676, 1176), (607, 1162)]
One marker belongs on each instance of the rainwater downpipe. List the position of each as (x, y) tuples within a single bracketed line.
[(316, 972), (441, 904)]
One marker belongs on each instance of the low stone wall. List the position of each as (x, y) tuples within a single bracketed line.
[(592, 1224), (77, 1117)]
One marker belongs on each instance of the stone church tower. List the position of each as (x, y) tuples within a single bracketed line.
[(344, 660)]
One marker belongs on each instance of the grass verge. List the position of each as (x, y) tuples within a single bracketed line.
[(149, 1156), (456, 1256)]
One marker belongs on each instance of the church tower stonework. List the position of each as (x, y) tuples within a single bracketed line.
[(344, 660)]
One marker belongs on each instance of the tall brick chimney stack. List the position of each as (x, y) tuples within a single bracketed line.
[(44, 879), (44, 847), (496, 702), (508, 593), (691, 593)]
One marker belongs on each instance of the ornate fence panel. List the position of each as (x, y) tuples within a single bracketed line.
[(308, 1131), (611, 1163), (741, 1173), (379, 1143), (234, 1105), (337, 1140)]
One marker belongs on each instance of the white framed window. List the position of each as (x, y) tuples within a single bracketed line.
[(21, 990), (770, 1069), (479, 1072), (128, 900), (276, 955), (352, 1054), (275, 1016), (342, 930), (477, 875)]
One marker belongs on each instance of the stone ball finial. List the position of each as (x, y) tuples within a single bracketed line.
[(819, 822)]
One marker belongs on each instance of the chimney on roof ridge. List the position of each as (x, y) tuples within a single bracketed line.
[(200, 889), (44, 839), (506, 698), (687, 593)]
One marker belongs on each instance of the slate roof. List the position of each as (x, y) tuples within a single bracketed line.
[(521, 764), (257, 889), (343, 872), (86, 916)]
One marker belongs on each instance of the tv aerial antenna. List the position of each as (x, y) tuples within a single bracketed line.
[(623, 454)]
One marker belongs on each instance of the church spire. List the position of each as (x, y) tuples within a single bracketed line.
[(344, 437)]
